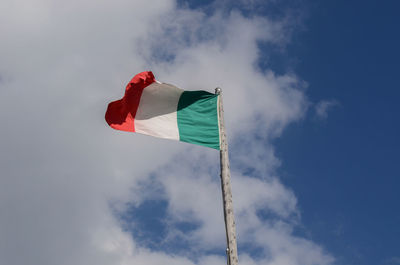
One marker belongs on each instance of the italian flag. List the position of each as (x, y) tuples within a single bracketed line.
[(163, 110)]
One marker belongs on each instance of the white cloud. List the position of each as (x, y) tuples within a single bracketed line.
[(63, 61)]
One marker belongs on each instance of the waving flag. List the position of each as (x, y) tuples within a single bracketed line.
[(163, 110)]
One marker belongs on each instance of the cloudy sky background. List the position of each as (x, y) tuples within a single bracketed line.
[(73, 191)]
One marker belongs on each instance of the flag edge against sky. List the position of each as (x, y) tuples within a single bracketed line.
[(159, 109)]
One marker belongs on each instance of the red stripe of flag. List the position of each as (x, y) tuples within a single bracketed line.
[(121, 113)]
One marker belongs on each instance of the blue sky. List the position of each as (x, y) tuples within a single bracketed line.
[(344, 169), (310, 91)]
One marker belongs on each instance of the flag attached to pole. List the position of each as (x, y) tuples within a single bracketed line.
[(163, 110)]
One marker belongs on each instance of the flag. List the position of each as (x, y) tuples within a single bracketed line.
[(163, 110)]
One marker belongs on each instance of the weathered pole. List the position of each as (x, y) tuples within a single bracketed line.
[(230, 228)]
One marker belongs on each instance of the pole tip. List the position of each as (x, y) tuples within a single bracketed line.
[(218, 91)]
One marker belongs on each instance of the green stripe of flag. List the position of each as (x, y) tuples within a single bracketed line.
[(198, 118)]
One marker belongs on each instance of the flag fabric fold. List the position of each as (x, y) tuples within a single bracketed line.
[(165, 111)]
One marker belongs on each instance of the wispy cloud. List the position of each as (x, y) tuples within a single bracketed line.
[(392, 260), (322, 108)]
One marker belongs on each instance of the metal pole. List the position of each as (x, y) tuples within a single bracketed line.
[(230, 228)]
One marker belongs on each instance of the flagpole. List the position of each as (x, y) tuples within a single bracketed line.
[(230, 228)]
